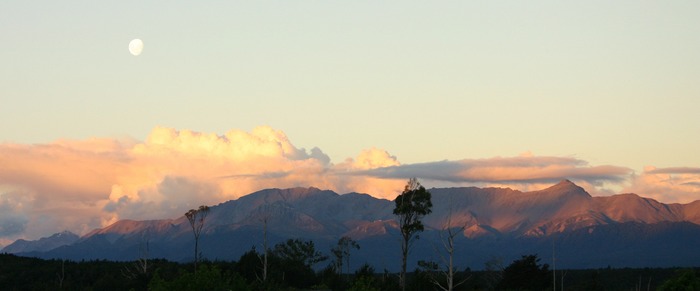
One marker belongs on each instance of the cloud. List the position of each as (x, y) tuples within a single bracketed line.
[(374, 158), (13, 219), (73, 171), (172, 195), (669, 185), (82, 185), (677, 170), (522, 169)]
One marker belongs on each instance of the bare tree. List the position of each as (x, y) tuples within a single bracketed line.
[(196, 217), (443, 274), (266, 250), (563, 273), (62, 275), (447, 238), (411, 205), (140, 267)]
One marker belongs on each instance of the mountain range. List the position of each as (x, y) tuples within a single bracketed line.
[(562, 222)]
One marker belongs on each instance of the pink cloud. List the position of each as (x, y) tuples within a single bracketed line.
[(81, 185), (510, 170), (676, 170), (669, 185)]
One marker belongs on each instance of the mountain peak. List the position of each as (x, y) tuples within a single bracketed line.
[(564, 188), (64, 233), (566, 184), (42, 244), (496, 220)]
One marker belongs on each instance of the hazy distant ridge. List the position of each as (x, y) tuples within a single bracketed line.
[(588, 231)]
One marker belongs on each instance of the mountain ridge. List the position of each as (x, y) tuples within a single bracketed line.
[(494, 219), (43, 244)]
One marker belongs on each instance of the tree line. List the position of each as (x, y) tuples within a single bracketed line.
[(24, 273)]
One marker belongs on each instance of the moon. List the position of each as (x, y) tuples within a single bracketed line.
[(136, 47)]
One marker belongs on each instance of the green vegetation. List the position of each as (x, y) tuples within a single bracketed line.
[(526, 274), (22, 273), (411, 206), (683, 280)]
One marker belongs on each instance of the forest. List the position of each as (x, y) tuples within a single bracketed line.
[(297, 273)]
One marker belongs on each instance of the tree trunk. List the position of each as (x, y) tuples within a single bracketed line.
[(451, 273), (196, 249), (265, 247), (404, 253)]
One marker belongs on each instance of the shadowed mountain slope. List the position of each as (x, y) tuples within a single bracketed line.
[(590, 231), (43, 244)]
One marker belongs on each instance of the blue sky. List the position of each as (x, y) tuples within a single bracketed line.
[(596, 83), (608, 82)]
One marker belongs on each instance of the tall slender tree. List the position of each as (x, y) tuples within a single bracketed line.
[(197, 217), (411, 206), (341, 252), (265, 218)]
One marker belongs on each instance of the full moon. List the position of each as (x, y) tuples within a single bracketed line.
[(136, 47)]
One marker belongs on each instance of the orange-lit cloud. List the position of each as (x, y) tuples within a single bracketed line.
[(81, 185), (669, 185)]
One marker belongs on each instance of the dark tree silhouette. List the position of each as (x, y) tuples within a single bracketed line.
[(297, 259), (526, 274), (685, 279), (366, 280), (342, 252), (208, 278), (411, 206), (196, 217), (265, 218), (493, 272), (299, 251)]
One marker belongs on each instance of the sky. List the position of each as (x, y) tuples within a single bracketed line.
[(231, 97)]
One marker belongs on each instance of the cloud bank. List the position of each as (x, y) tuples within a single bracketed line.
[(82, 185), (670, 185)]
